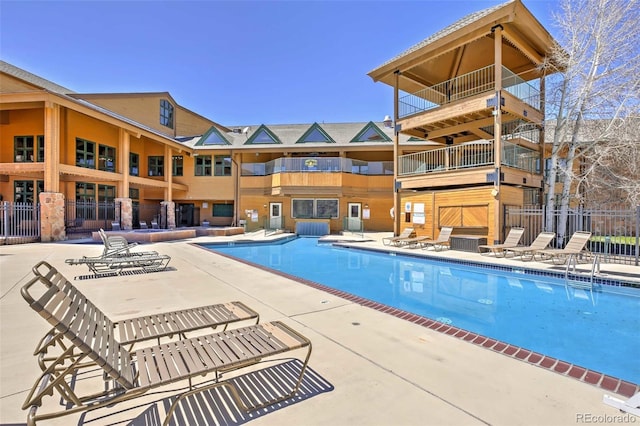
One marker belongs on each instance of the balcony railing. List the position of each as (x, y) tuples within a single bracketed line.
[(467, 156), (465, 86), (318, 165)]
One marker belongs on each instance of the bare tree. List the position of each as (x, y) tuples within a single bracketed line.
[(593, 96)]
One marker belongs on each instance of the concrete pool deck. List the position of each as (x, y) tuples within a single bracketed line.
[(369, 367)]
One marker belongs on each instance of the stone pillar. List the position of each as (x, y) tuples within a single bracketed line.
[(124, 214), (52, 217), (168, 214)]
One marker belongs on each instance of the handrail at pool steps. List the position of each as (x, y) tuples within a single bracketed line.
[(572, 261)]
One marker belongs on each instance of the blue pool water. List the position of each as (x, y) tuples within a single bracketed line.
[(594, 329)]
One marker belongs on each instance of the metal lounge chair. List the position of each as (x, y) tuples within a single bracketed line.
[(407, 233), (441, 242), (131, 374), (575, 246), (512, 240), (156, 326), (411, 242), (631, 405), (115, 244), (148, 261), (527, 252)]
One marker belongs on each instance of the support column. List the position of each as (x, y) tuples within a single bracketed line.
[(125, 148), (497, 133), (51, 147), (396, 152), (52, 217), (168, 175), (124, 214), (168, 214)]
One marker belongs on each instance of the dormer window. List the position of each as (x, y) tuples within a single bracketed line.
[(166, 113)]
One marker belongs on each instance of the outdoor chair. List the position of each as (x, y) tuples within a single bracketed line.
[(410, 242), (116, 257), (148, 261), (527, 252), (407, 233), (631, 405), (159, 325), (115, 244), (130, 374), (439, 243), (512, 240), (143, 224), (575, 246)]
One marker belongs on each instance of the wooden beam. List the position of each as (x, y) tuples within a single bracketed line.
[(461, 127), (519, 43)]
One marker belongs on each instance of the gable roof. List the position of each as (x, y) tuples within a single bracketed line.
[(32, 79)]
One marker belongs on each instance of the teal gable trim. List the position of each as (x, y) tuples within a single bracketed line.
[(371, 133), (316, 134), (263, 136), (212, 137)]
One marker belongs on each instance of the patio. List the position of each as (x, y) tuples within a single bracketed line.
[(367, 367)]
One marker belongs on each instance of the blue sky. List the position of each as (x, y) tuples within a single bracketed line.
[(234, 62)]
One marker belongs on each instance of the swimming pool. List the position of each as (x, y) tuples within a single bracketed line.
[(593, 329)]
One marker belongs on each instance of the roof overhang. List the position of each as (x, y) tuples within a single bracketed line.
[(468, 45)]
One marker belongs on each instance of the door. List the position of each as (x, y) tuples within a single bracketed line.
[(354, 218), (275, 216)]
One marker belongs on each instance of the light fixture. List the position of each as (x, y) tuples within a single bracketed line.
[(366, 206)]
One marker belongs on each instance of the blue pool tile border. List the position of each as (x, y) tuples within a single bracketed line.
[(567, 369)]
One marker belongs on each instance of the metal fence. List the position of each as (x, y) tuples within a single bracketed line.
[(84, 217), (615, 232), (19, 223)]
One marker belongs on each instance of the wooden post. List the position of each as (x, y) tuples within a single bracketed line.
[(497, 133), (396, 152)]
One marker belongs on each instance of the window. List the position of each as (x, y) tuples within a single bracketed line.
[(106, 199), (262, 135), (156, 166), (40, 158), (371, 133), (314, 208), (23, 149), (85, 154), (203, 165), (177, 165), (166, 113), (134, 164), (222, 165), (85, 200), (223, 210), (315, 133), (134, 193), (106, 158), (212, 137), (24, 191)]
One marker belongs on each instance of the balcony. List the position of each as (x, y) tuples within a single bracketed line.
[(466, 86), (468, 156), (318, 165)]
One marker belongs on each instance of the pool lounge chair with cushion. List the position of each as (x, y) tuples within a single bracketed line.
[(512, 240), (441, 242), (575, 246), (158, 325), (131, 374), (540, 243), (407, 233)]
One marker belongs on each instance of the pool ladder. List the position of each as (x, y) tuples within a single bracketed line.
[(572, 261)]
